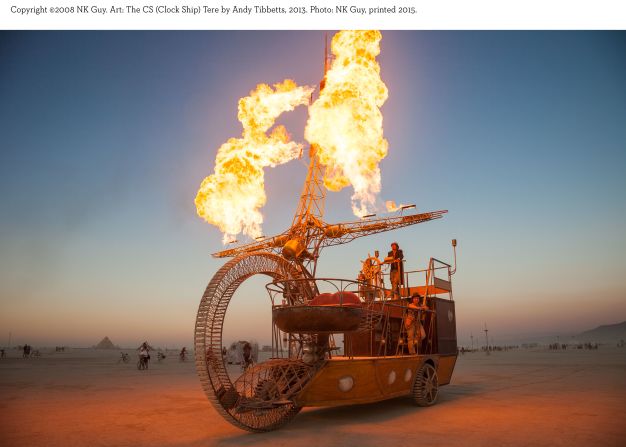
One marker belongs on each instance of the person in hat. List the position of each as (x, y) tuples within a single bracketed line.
[(396, 273), (412, 322)]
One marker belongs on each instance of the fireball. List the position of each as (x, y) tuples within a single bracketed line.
[(346, 123), (231, 198)]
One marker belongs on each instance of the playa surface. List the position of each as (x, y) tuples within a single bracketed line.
[(83, 397)]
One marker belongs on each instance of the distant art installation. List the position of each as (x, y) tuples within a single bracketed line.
[(395, 342)]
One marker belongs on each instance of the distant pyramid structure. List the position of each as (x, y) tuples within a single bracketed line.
[(106, 344), (607, 333)]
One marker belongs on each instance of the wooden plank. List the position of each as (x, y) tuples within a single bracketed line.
[(374, 379), (445, 367), (442, 284), (425, 291)]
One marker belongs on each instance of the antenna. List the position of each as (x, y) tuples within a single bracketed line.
[(487, 337), (325, 53), (326, 62), (453, 271)]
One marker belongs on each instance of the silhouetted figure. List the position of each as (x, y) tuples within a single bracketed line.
[(144, 355), (247, 355), (396, 273), (412, 323), (183, 354)]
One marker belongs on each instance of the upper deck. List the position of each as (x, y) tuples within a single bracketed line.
[(371, 320)]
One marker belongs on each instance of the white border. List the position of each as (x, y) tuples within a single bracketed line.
[(429, 14)]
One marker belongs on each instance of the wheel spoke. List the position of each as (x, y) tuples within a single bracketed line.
[(425, 388)]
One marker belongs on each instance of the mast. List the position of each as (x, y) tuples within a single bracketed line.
[(311, 206), (307, 225), (310, 210)]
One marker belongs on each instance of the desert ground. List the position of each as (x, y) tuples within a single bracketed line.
[(83, 397)]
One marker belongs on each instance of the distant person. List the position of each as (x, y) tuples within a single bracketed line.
[(183, 354), (2, 354), (26, 351), (144, 357), (144, 353), (224, 351), (146, 347), (247, 355), (412, 322), (396, 274)]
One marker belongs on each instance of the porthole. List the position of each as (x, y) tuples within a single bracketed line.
[(346, 383), (408, 374)]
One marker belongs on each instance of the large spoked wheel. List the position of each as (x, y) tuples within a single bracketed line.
[(253, 402), (426, 386)]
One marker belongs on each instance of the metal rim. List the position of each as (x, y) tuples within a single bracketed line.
[(426, 386), (225, 395)]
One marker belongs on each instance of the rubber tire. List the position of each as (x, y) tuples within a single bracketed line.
[(426, 386)]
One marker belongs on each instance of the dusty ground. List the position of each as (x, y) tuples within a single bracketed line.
[(515, 398)]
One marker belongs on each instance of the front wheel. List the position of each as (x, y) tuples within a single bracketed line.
[(244, 402), (426, 386)]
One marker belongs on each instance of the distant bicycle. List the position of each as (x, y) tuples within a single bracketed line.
[(123, 358)]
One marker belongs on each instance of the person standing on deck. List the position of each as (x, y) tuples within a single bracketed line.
[(396, 274), (413, 324)]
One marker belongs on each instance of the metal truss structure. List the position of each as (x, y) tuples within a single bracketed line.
[(328, 235)]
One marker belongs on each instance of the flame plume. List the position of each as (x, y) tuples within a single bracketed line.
[(232, 196), (346, 123)]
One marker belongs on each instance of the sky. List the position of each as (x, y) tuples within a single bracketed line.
[(106, 136)]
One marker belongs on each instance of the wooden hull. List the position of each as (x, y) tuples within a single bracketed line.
[(344, 381)]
